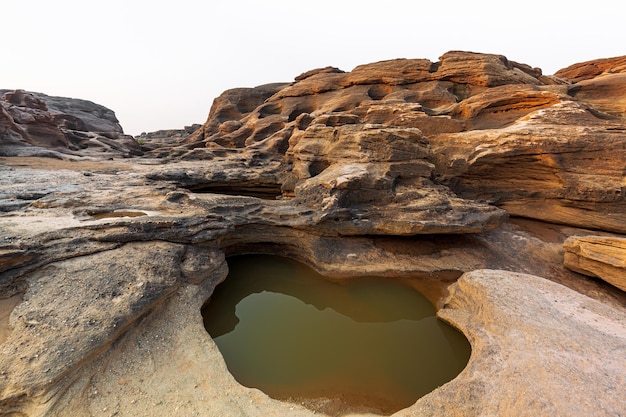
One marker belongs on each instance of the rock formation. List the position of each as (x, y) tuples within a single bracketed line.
[(493, 130), (473, 166), (41, 125), (562, 334), (598, 256)]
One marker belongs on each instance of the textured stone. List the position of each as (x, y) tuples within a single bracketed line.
[(606, 93), (598, 256), (563, 353), (380, 178), (590, 69), (488, 122), (38, 124), (435, 86), (544, 166), (402, 168), (28, 116), (160, 268)]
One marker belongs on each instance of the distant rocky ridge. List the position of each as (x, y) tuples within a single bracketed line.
[(473, 166), (31, 121), (159, 138)]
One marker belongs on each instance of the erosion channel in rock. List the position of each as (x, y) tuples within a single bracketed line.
[(366, 344)]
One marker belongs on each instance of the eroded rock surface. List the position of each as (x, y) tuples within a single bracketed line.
[(558, 338), (598, 256), (402, 168), (489, 129), (35, 124)]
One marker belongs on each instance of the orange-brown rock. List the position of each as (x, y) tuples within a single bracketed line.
[(600, 83), (590, 69), (598, 256), (403, 168), (379, 177), (254, 114), (606, 93), (501, 106), (496, 130), (544, 166)]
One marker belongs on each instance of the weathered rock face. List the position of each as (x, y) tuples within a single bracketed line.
[(567, 337), (543, 167), (380, 178), (598, 256), (400, 92), (32, 121), (403, 168), (493, 130), (591, 69)]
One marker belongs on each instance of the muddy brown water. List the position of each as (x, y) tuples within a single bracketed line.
[(116, 214), (370, 343)]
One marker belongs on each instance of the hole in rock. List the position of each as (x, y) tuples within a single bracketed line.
[(301, 108), (378, 92), (336, 346), (265, 192), (316, 167), (269, 109)]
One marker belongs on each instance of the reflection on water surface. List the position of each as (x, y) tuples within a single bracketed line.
[(374, 343)]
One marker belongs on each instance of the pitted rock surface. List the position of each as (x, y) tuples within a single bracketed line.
[(475, 165)]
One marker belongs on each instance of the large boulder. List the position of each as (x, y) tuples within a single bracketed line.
[(544, 166), (587, 70), (551, 351)]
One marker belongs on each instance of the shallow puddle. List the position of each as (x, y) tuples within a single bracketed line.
[(116, 214), (369, 343)]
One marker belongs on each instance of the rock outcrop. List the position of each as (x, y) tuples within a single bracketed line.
[(592, 69), (564, 335), (493, 130), (598, 256), (38, 124), (473, 166)]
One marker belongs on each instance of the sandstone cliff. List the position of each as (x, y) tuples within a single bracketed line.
[(474, 166), (487, 128)]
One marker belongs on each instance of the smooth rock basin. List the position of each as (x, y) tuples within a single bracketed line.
[(371, 344)]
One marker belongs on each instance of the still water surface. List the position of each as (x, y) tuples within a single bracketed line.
[(374, 342)]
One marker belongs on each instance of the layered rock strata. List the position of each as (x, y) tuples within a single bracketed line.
[(491, 130), (598, 256), (403, 168), (35, 124)]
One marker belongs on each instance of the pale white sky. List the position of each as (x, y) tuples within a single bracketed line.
[(159, 64)]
